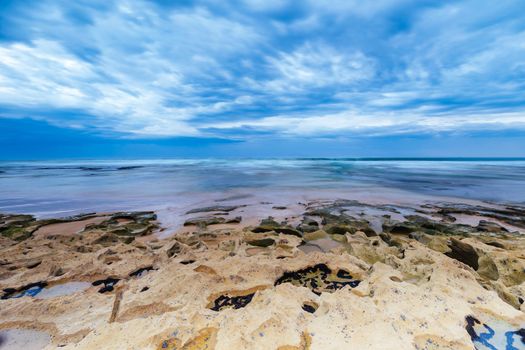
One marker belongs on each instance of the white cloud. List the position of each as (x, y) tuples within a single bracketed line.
[(147, 78), (318, 65), (385, 123)]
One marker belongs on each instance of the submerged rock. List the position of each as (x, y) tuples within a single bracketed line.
[(205, 221), (224, 208), (488, 226)]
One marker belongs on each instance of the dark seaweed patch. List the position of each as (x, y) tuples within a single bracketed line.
[(108, 283), (31, 290), (319, 278), (236, 302)]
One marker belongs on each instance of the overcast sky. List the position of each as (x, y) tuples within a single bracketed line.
[(262, 78)]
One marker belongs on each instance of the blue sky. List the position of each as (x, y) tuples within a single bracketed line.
[(262, 78)]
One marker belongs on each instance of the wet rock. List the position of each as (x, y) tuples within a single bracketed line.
[(235, 220), (512, 215), (399, 228), (304, 227), (463, 252), (205, 221), (224, 208), (137, 216), (350, 227), (17, 227), (488, 226), (264, 242), (140, 223), (279, 207), (338, 229), (269, 224), (311, 236)]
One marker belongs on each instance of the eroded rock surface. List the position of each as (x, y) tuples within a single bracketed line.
[(420, 278)]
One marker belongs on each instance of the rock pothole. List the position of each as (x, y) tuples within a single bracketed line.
[(235, 302), (235, 299), (319, 278), (310, 306), (30, 289), (107, 284)]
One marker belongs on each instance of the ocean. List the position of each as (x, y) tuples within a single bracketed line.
[(61, 188)]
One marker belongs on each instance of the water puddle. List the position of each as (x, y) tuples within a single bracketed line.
[(40, 290), (62, 289), (495, 335), (23, 339)]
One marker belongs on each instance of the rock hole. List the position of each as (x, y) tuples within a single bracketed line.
[(187, 262), (141, 272), (310, 306), (30, 289), (235, 302), (108, 283), (319, 279)]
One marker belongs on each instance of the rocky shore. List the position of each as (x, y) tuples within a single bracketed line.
[(326, 274)]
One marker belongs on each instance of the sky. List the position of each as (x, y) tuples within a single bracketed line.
[(262, 78)]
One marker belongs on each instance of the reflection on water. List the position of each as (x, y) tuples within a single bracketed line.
[(54, 188)]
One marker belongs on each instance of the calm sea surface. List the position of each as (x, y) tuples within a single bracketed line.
[(49, 188)]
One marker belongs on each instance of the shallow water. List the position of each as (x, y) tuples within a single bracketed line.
[(62, 289), (23, 339), (54, 188)]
